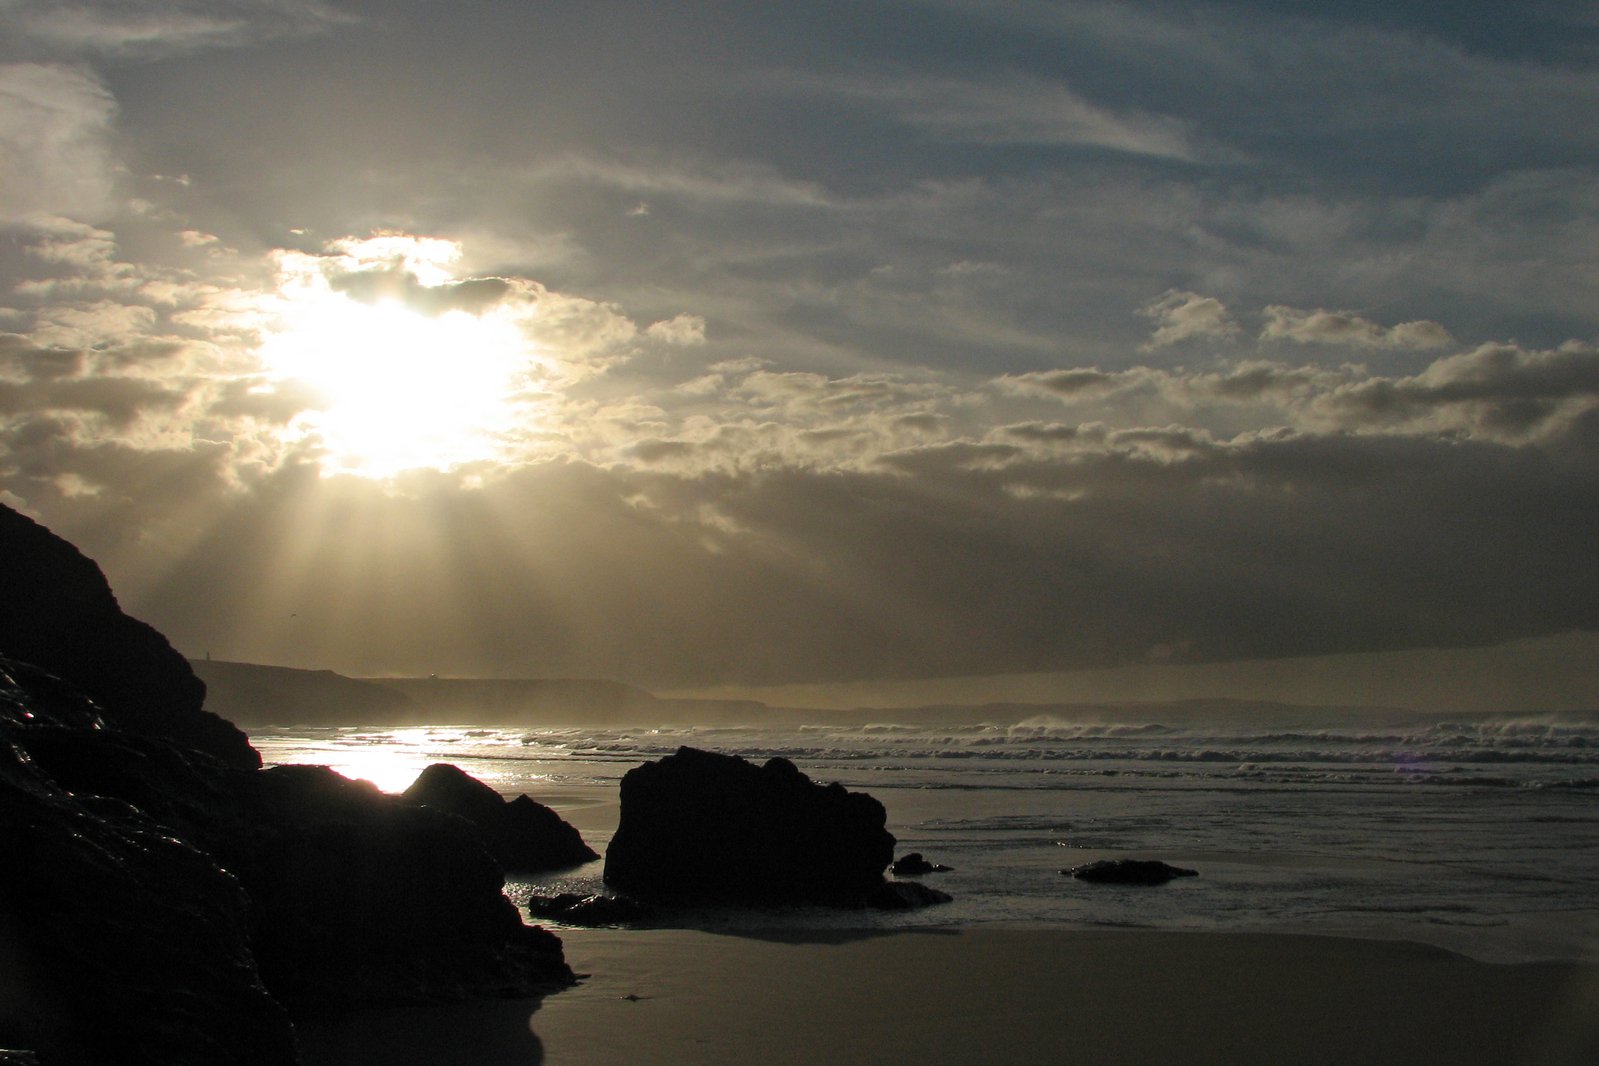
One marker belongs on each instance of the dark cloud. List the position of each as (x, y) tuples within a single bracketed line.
[(27, 361), (120, 400), (1255, 380), (1054, 433), (957, 559), (1075, 382), (655, 451), (277, 402), (1501, 388), (1344, 328), (473, 295)]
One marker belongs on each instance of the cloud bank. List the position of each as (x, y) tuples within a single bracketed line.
[(678, 522), (795, 344)]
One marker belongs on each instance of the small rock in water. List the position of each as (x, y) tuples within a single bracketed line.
[(913, 865), (1129, 872), (904, 896)]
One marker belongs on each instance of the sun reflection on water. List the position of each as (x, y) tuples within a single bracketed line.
[(390, 759)]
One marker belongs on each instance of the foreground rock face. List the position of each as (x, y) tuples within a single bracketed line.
[(703, 827), (361, 897), (523, 835), (162, 900), (57, 613), (119, 941), (1129, 872)]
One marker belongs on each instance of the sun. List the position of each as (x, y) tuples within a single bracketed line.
[(397, 387)]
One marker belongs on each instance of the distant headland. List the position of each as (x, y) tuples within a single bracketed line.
[(258, 696)]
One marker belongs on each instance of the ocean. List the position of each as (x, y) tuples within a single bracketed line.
[(1479, 835)]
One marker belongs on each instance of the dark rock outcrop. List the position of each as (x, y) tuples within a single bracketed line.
[(57, 613), (705, 827), (1128, 872), (523, 834), (162, 900), (913, 865), (158, 907), (119, 941), (573, 909), (361, 897)]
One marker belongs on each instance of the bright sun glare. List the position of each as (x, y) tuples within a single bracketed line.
[(398, 389)]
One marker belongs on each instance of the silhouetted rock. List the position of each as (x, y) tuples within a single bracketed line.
[(1128, 872), (575, 909), (57, 613), (913, 865), (905, 896), (161, 896), (363, 897), (124, 943), (717, 828), (132, 935), (523, 834)]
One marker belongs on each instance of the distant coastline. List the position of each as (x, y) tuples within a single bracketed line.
[(255, 695)]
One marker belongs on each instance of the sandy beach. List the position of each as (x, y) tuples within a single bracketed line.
[(1002, 995)]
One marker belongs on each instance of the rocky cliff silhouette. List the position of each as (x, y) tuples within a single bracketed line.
[(165, 901)]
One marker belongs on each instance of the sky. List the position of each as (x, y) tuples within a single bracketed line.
[(722, 346)]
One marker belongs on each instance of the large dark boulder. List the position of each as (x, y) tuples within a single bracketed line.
[(57, 612), (363, 897), (524, 835), (119, 941), (162, 899), (704, 827)]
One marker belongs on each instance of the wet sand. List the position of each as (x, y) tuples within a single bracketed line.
[(1002, 995)]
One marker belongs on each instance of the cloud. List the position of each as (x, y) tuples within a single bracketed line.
[(1182, 316), (87, 249), (1075, 383), (1259, 380), (1013, 110), (164, 27), (574, 335), (1346, 328), (682, 330), (1496, 391), (953, 558), (120, 400), (726, 181), (102, 323), (675, 516), (54, 128)]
